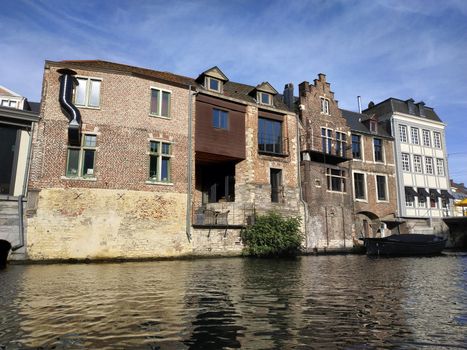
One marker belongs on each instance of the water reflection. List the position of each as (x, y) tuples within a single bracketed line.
[(349, 302)]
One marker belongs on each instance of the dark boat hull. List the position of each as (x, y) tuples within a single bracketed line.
[(405, 245)]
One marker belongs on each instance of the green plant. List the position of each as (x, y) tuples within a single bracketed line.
[(273, 235)]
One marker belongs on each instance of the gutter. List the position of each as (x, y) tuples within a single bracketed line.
[(21, 225)]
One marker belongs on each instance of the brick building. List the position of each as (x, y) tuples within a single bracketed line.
[(109, 167), (135, 163), (325, 167), (374, 185)]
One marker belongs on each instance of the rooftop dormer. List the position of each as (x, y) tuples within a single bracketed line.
[(264, 94), (213, 79)]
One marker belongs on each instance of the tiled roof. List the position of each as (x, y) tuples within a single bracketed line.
[(231, 89), (354, 120), (392, 105), (165, 76)]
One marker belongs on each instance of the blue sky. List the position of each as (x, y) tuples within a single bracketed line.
[(373, 48)]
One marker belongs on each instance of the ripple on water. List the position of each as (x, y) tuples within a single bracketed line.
[(349, 302)]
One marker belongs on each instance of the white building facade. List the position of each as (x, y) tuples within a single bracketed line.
[(423, 185)]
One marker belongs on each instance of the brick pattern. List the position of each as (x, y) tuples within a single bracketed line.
[(330, 213)]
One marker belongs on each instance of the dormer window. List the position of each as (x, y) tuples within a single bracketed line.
[(373, 127), (213, 84), (264, 98)]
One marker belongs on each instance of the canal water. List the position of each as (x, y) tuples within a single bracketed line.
[(315, 302)]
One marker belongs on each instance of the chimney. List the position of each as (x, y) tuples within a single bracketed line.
[(288, 96), (411, 106), (359, 100), (421, 108)]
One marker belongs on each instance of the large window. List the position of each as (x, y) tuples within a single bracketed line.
[(220, 119), (415, 136), (335, 179), (160, 103), (417, 163), (88, 92), (326, 140), (437, 139), (426, 137), (80, 160), (429, 165), (381, 188), (324, 105), (356, 146), (359, 185), (341, 143), (440, 166), (405, 157), (160, 154), (269, 136), (378, 149), (403, 133)]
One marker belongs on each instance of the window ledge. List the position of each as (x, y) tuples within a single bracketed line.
[(159, 116), (361, 200), (339, 192), (88, 107), (382, 201), (149, 182), (77, 178)]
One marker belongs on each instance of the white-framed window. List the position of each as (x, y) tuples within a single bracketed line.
[(440, 166), (417, 163), (403, 133), (326, 140), (80, 160), (9, 103), (426, 138), (409, 200), (373, 126), (341, 143), (429, 165), (421, 201), (160, 102), (359, 186), (378, 151), (336, 180), (381, 188), (264, 98), (437, 139), (213, 84), (414, 136), (88, 92), (324, 105), (405, 157), (160, 154)]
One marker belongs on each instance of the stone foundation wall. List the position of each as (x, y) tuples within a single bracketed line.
[(83, 223)]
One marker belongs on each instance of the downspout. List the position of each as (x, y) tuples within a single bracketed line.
[(189, 165), (28, 162), (67, 80), (299, 180)]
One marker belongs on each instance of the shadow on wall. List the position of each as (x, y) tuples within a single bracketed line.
[(5, 247)]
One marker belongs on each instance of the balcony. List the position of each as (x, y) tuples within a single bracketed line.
[(318, 155), (273, 146), (224, 215)]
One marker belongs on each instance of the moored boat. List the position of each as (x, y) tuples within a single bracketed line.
[(405, 245)]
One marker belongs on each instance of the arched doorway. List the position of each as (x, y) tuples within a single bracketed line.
[(367, 224)]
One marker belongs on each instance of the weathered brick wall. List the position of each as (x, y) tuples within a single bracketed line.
[(84, 223), (117, 214), (330, 222), (253, 174), (371, 168)]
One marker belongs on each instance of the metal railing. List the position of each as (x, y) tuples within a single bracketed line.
[(224, 214), (273, 146)]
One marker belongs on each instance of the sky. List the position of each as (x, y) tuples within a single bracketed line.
[(372, 48)]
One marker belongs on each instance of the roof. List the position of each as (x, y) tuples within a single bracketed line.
[(106, 65), (34, 106), (231, 89), (392, 105), (354, 120), (7, 92)]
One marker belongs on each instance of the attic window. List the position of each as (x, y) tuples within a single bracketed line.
[(373, 126), (213, 84), (324, 105), (264, 98)]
